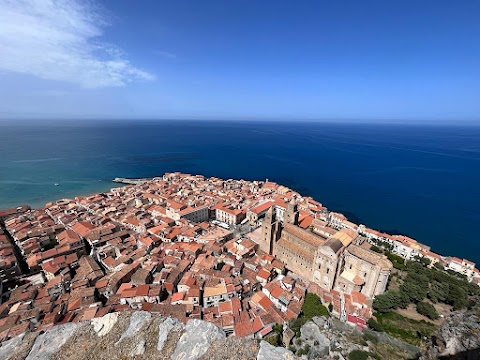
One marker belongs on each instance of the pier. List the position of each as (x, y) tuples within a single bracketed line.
[(131, 181)]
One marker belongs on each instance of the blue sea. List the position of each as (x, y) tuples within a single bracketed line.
[(418, 180)]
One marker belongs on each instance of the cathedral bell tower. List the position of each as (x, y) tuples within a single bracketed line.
[(270, 230), (291, 215)]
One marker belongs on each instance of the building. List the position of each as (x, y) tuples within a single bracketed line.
[(229, 215), (362, 270), (335, 262)]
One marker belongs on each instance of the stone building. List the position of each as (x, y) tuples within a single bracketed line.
[(363, 270), (334, 262), (327, 256)]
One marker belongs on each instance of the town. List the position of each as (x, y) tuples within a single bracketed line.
[(240, 254)]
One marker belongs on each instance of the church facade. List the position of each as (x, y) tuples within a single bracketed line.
[(335, 262)]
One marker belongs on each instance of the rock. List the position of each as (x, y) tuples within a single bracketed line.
[(137, 321), (270, 352), (318, 342), (233, 348), (103, 325), (164, 329), (458, 337), (139, 349), (8, 347), (196, 339), (50, 342)]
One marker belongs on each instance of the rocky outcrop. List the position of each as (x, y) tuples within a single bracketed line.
[(137, 335), (196, 339), (50, 342), (458, 338), (317, 342), (142, 335), (270, 352)]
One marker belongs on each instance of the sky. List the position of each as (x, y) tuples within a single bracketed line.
[(315, 60)]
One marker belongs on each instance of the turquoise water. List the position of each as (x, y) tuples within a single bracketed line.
[(418, 180)]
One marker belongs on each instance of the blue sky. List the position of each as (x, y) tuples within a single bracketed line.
[(335, 60)]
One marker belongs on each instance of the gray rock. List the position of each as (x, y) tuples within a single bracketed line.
[(139, 348), (164, 329), (50, 342), (8, 347), (137, 320), (459, 336), (318, 342), (270, 352), (103, 325), (196, 340)]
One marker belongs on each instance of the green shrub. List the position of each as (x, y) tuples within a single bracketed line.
[(374, 325), (273, 339), (358, 355), (304, 350), (427, 309), (312, 306)]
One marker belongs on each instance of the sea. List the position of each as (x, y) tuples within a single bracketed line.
[(422, 181)]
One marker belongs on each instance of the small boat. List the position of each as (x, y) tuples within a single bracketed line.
[(56, 184)]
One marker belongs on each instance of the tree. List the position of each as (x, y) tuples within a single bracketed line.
[(390, 300), (457, 297), (414, 291), (427, 309), (312, 306), (438, 292)]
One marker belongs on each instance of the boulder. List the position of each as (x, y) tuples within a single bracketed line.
[(104, 324), (50, 342), (8, 347), (137, 321), (196, 339), (314, 337), (270, 352), (164, 329)]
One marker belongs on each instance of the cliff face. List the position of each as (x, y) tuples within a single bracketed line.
[(458, 338)]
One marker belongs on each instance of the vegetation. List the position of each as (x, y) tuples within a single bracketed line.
[(278, 328), (359, 355), (304, 350), (369, 337), (427, 309), (312, 306), (374, 325), (274, 339), (423, 283), (296, 324), (397, 261), (408, 330)]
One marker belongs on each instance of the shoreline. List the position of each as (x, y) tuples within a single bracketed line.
[(120, 181)]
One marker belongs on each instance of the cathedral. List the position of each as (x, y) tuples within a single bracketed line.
[(338, 261)]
